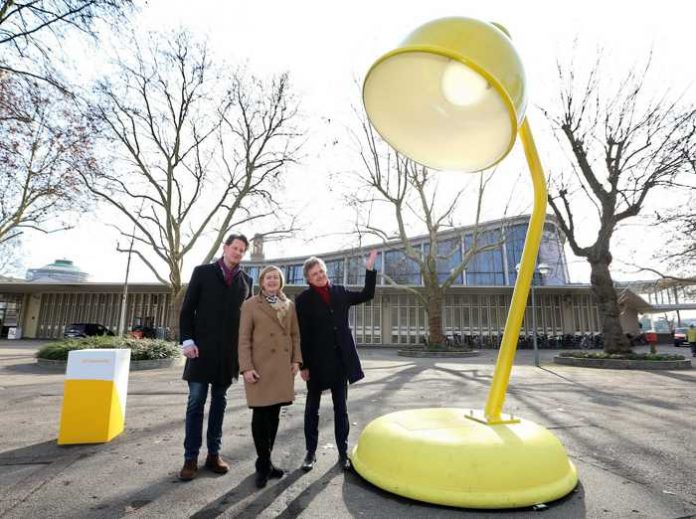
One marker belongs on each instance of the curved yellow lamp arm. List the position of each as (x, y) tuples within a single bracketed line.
[(513, 324)]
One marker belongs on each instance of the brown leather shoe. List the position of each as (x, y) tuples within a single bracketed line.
[(216, 464), (189, 470)]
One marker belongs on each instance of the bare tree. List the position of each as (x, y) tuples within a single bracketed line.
[(10, 260), (31, 31), (45, 143), (411, 193), (197, 152), (624, 144), (258, 141), (678, 224), (44, 136)]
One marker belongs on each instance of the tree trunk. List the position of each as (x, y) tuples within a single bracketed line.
[(603, 289), (434, 311), (176, 300)]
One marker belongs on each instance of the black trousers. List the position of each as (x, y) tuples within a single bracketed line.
[(264, 426), (339, 395)]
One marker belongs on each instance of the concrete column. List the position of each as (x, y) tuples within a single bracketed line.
[(386, 324), (30, 315)]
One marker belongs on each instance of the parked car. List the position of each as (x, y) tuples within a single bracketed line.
[(144, 328), (679, 335), (86, 330)]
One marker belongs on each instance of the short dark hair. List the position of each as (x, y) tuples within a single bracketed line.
[(239, 237)]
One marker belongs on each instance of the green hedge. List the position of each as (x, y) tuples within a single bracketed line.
[(141, 349), (621, 356)]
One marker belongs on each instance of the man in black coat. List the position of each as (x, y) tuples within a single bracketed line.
[(209, 326), (330, 358)]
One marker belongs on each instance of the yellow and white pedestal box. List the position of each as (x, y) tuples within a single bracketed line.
[(94, 396)]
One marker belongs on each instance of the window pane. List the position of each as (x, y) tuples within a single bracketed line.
[(550, 253), (485, 267), (400, 268), (449, 257), (334, 271), (294, 275), (355, 269)]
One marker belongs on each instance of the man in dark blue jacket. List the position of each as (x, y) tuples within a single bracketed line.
[(209, 326), (330, 358)]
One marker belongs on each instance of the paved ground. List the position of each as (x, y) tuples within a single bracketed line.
[(630, 433)]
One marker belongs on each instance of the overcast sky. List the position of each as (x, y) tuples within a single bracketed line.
[(328, 46)]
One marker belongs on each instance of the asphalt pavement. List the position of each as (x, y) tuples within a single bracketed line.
[(629, 433)]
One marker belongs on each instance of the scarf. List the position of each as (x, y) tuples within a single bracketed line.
[(324, 293), (230, 273), (279, 302)]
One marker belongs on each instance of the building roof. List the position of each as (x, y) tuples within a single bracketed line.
[(396, 242), (31, 287), (60, 268), (61, 265), (629, 298), (655, 285)]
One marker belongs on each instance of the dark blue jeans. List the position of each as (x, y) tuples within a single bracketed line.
[(339, 395), (198, 393)]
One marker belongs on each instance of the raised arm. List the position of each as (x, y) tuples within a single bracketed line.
[(368, 291)]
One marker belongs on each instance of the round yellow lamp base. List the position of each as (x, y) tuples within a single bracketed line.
[(452, 457)]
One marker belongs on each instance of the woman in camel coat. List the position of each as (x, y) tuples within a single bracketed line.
[(269, 359)]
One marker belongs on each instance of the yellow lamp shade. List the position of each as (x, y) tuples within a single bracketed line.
[(451, 96)]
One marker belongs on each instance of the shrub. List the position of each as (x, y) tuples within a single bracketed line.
[(141, 349)]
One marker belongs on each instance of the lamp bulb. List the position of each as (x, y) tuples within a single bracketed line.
[(461, 85)]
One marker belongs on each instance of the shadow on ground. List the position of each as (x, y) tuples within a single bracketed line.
[(355, 488)]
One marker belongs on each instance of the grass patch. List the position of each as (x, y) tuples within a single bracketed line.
[(619, 356), (141, 349)]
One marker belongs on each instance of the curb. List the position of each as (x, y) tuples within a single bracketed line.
[(136, 365), (623, 363), (438, 354)]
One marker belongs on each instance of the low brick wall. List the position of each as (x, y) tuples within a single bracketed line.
[(135, 365), (624, 363), (413, 352)]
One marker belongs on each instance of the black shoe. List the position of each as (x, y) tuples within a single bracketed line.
[(309, 461), (344, 462), (261, 479), (263, 469), (275, 473)]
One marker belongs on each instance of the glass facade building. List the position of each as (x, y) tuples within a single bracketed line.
[(478, 301), (497, 245)]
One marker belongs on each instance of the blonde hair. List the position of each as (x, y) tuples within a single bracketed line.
[(271, 268), (310, 263)]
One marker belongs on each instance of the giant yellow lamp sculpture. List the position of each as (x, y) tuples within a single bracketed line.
[(453, 96)]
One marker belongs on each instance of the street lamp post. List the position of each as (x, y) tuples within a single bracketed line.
[(542, 269), (124, 297)]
